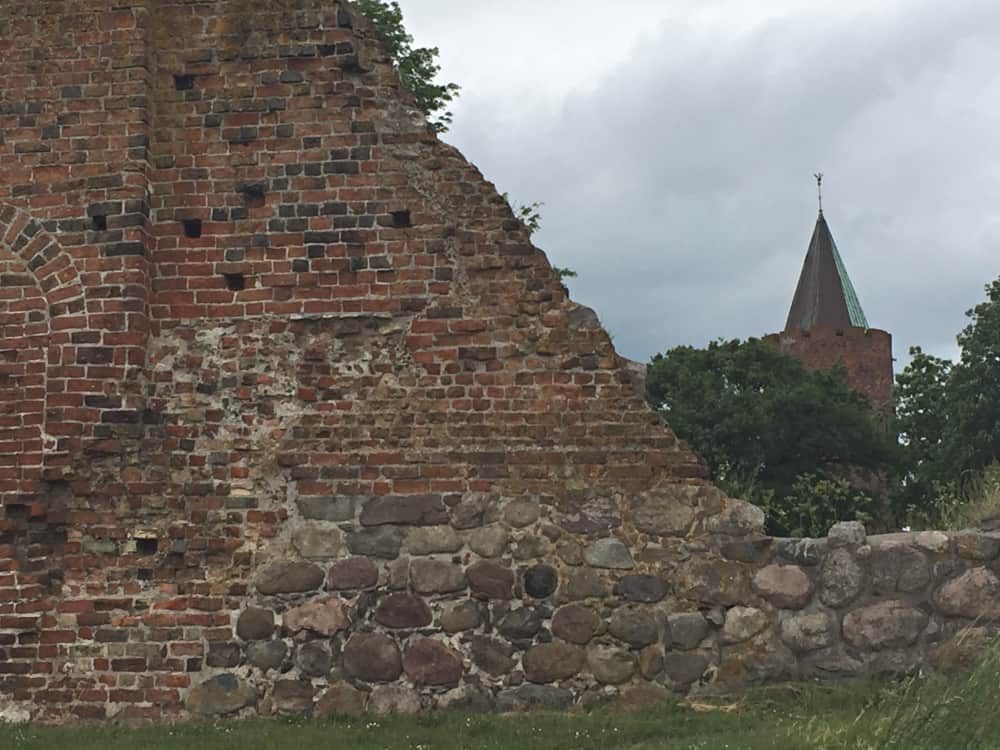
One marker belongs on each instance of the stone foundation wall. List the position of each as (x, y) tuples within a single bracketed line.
[(302, 422)]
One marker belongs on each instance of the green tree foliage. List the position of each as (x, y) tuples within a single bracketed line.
[(949, 417), (814, 504), (417, 66), (971, 438), (763, 421)]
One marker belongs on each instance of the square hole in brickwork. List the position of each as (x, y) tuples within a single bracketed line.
[(401, 219), (236, 282), (183, 81), (99, 223), (192, 228), (146, 546)]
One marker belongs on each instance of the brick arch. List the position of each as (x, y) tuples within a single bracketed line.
[(51, 265), (41, 303)]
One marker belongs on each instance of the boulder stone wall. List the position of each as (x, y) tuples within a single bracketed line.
[(297, 420)]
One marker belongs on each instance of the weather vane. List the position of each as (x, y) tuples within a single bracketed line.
[(819, 189)]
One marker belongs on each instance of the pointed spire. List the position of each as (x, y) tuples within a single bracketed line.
[(825, 297)]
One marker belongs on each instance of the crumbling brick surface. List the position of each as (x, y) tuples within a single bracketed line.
[(301, 422)]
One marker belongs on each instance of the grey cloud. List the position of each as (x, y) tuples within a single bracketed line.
[(678, 185)]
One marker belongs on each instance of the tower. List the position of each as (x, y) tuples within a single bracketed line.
[(827, 325)]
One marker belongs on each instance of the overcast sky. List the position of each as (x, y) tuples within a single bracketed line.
[(673, 143)]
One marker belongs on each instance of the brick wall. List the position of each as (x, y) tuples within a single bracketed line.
[(321, 428), (866, 354)]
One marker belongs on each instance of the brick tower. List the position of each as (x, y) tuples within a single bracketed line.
[(826, 324)]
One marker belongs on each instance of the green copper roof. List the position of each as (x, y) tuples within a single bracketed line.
[(854, 310), (825, 296)]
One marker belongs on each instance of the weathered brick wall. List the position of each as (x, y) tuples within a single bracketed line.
[(321, 428), (866, 354)]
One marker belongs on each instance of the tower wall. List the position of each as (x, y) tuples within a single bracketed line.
[(866, 354)]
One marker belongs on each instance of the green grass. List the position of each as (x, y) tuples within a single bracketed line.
[(917, 713), (765, 719)]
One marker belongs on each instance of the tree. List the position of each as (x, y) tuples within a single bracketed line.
[(417, 67), (949, 416), (921, 414), (971, 434), (762, 421)]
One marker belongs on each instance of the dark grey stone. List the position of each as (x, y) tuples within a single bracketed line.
[(405, 510), (642, 588), (255, 624), (267, 654), (383, 542), (289, 578), (223, 654), (314, 659), (540, 581)]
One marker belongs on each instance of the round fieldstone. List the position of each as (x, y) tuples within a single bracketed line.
[(223, 654), (522, 624), (431, 662), (471, 511), (651, 662), (492, 656), (841, 578), (490, 581), (785, 586), (461, 617), (436, 577), (641, 588), (684, 669), (289, 578), (686, 630), (314, 659), (220, 695), (570, 552), (341, 699), (372, 657), (324, 615), (551, 662), (975, 595), (610, 666), (976, 546), (393, 699), (808, 632), (609, 553), (293, 696), (267, 654), (576, 624), (664, 515), (634, 626), (742, 624), (255, 624), (489, 542), (402, 610), (521, 513), (846, 534), (583, 584), (353, 574), (898, 567), (540, 581), (531, 548), (383, 542), (890, 624), (431, 540), (317, 542)]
